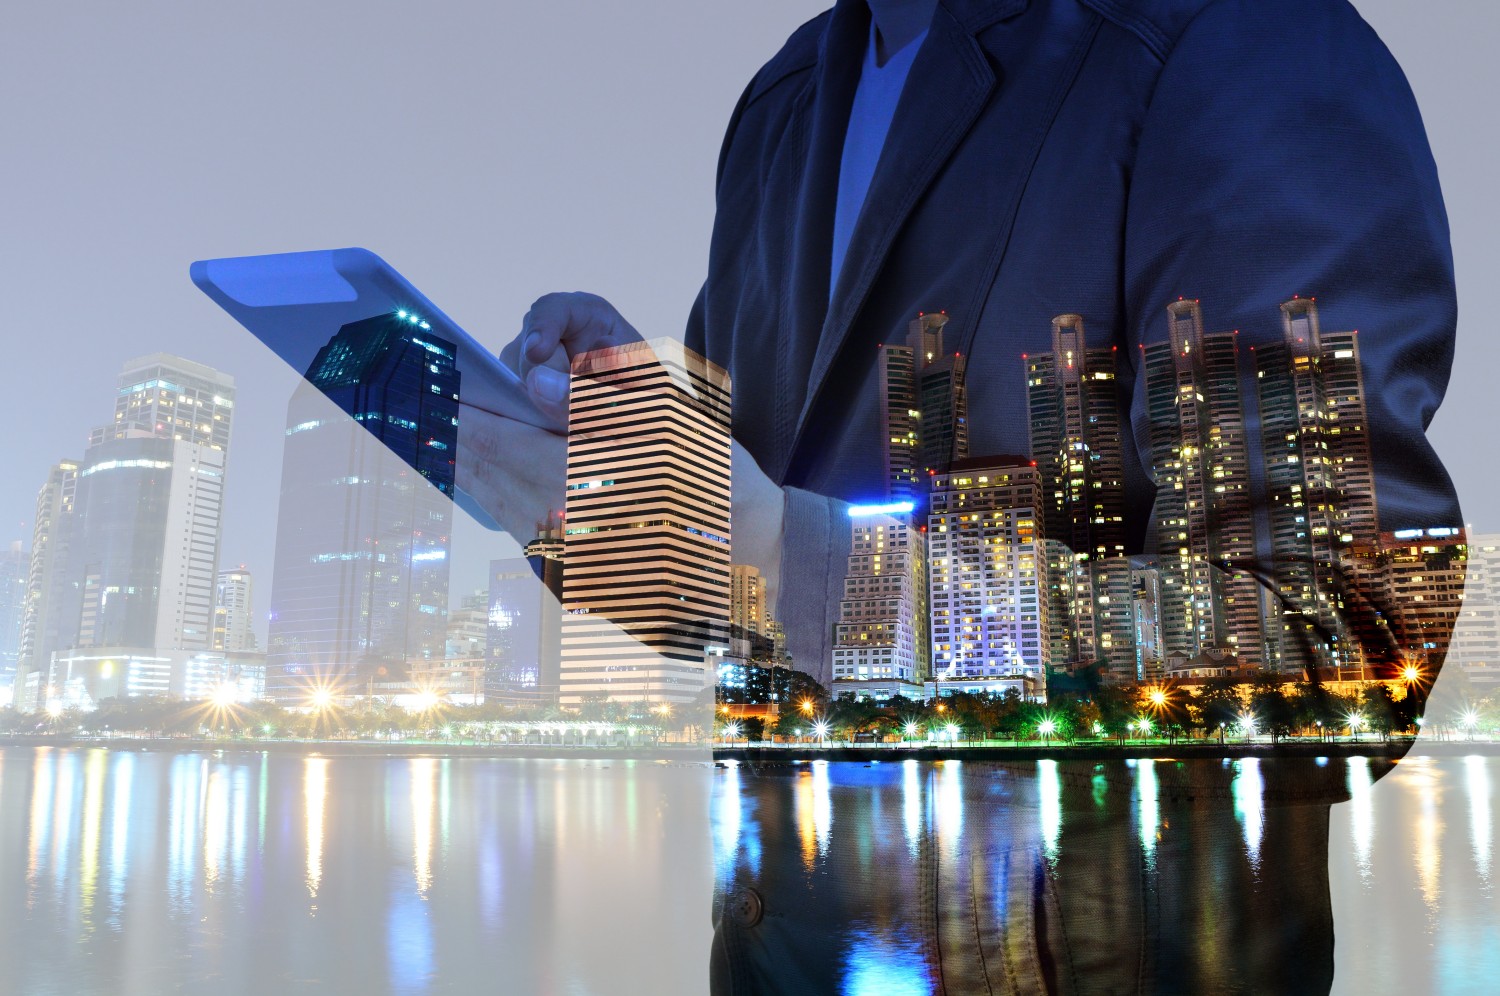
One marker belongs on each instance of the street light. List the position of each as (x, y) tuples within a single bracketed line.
[(1045, 728), (1355, 722), (820, 727)]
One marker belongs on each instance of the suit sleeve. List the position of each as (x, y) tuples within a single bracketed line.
[(1282, 155)]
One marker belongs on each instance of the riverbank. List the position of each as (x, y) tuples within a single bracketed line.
[(781, 753)]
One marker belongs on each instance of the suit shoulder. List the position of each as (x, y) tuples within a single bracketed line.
[(1160, 24), (799, 53)]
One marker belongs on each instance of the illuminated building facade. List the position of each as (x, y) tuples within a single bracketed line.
[(1204, 512), (1077, 443), (1320, 481), (924, 408), (988, 571), (881, 634), (646, 585)]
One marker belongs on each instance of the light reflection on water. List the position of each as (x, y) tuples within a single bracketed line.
[(154, 871)]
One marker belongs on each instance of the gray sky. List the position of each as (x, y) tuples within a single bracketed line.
[(491, 152)]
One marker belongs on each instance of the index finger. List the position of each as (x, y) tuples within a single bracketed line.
[(577, 321)]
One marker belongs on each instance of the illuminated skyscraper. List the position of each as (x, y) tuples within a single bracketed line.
[(143, 539), (360, 588), (924, 408), (881, 636), (1076, 440), (1320, 481), (1203, 517), (988, 569), (750, 617), (646, 586)]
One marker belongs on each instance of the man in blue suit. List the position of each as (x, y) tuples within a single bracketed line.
[(1011, 161)]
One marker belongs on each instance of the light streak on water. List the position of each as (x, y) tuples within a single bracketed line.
[(1050, 790), (314, 798), (1148, 812), (1481, 813), (1248, 790), (1361, 814), (911, 805)]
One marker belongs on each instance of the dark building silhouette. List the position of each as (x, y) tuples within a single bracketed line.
[(360, 587)]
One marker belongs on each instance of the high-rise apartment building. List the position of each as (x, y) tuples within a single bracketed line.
[(881, 637), (1076, 441), (987, 573), (646, 588), (1320, 481), (924, 409), (359, 592), (1203, 518), (751, 620), (234, 614)]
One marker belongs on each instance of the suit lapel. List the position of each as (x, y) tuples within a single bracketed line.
[(951, 82)]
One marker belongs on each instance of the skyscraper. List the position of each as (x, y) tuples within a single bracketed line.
[(143, 543), (750, 617), (1076, 440), (1320, 481), (924, 408), (360, 585), (47, 586), (647, 581), (988, 571), (15, 567), (1203, 517), (881, 640), (234, 615)]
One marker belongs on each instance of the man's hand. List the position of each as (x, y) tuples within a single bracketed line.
[(556, 329), (515, 471)]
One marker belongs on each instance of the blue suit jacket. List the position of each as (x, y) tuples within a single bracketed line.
[(1098, 157)]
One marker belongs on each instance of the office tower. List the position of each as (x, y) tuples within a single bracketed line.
[(46, 586), (924, 408), (360, 587), (646, 545), (1320, 481), (234, 616), (881, 636), (988, 569), (1076, 440), (143, 548), (1203, 517)]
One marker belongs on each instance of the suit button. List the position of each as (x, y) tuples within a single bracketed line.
[(744, 907)]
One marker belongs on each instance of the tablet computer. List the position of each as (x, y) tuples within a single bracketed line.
[(294, 303)]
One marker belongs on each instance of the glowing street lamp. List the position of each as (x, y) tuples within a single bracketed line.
[(321, 699), (1469, 720), (910, 728), (1157, 697), (953, 731), (54, 709), (806, 706), (1247, 724), (1046, 728), (821, 728), (1355, 722)]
